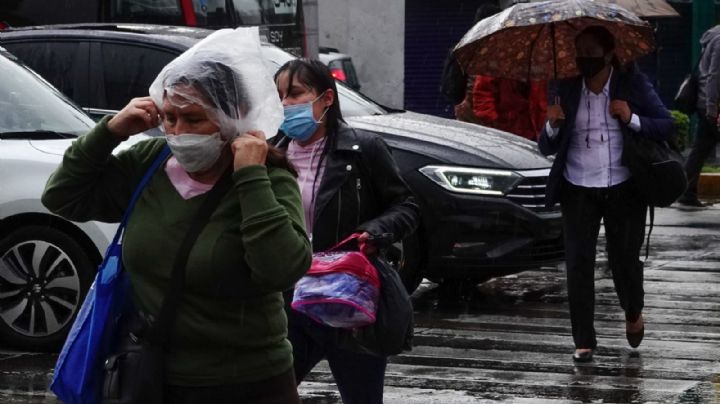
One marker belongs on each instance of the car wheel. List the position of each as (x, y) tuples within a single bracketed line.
[(44, 276), (406, 257)]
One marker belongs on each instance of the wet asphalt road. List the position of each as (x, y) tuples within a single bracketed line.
[(510, 340)]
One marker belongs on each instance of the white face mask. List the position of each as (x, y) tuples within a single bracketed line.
[(196, 153)]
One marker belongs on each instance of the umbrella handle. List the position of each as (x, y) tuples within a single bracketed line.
[(553, 96)]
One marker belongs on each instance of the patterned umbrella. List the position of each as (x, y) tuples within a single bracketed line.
[(647, 8), (641, 8), (536, 41)]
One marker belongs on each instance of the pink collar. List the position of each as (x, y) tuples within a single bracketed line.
[(183, 183)]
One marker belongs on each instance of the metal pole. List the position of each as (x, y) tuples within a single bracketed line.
[(312, 30)]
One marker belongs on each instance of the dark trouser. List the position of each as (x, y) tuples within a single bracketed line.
[(706, 138), (623, 214), (359, 377), (280, 389)]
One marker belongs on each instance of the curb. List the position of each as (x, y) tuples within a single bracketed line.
[(709, 186)]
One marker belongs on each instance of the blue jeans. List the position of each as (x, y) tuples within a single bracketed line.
[(359, 377)]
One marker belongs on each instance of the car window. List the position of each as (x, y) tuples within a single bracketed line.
[(249, 12), (60, 63), (29, 105), (254, 12), (353, 103), (211, 13), (150, 12), (126, 73)]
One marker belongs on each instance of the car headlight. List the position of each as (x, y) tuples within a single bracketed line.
[(472, 180)]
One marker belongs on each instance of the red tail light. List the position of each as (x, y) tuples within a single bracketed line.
[(3, 25), (339, 74)]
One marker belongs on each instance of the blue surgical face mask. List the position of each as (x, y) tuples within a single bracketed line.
[(299, 123)]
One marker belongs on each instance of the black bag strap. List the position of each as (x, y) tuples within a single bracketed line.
[(651, 209), (159, 333)]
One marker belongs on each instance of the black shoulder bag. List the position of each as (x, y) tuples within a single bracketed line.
[(135, 374), (686, 98), (656, 166), (393, 329)]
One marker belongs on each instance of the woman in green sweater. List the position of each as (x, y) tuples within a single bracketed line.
[(228, 342)]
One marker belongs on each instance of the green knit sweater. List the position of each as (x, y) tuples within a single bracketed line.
[(255, 241)]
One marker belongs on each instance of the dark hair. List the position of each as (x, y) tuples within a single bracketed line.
[(607, 42), (486, 10), (601, 35), (316, 75), (218, 84)]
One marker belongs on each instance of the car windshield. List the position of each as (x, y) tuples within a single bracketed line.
[(352, 103), (31, 109)]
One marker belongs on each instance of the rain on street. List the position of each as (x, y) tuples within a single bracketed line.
[(511, 342)]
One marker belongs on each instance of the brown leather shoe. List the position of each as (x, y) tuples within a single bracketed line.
[(635, 337)]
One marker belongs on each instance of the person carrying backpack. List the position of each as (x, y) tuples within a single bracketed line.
[(708, 96)]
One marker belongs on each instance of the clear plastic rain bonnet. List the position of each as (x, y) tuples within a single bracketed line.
[(227, 75)]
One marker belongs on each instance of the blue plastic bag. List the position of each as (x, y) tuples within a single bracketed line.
[(79, 369), (78, 376)]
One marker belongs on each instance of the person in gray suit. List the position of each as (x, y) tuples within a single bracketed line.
[(706, 135)]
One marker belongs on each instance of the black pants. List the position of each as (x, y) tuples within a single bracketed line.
[(623, 214), (360, 377), (279, 389), (706, 138)]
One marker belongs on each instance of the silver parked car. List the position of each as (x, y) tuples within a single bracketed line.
[(46, 263)]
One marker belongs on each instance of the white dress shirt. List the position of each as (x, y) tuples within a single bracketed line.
[(595, 150)]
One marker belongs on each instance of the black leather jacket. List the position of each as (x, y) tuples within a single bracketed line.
[(361, 190)]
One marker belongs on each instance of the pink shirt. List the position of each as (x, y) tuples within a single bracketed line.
[(305, 159), (186, 186)]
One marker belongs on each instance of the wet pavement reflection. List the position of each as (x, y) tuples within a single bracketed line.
[(508, 339)]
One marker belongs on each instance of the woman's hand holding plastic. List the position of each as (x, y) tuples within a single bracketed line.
[(249, 149), (139, 115)]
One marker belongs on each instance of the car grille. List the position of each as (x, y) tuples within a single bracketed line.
[(530, 191), (548, 250)]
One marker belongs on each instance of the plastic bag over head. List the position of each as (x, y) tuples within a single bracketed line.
[(227, 75)]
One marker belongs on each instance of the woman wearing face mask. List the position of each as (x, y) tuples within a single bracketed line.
[(591, 182), (349, 183), (228, 343)]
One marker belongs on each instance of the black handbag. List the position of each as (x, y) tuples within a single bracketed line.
[(657, 169), (392, 331), (135, 373), (686, 98)]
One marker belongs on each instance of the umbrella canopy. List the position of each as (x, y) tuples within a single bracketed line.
[(647, 8), (641, 8), (536, 41)]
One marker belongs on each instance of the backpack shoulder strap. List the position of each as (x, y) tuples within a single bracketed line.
[(651, 210)]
